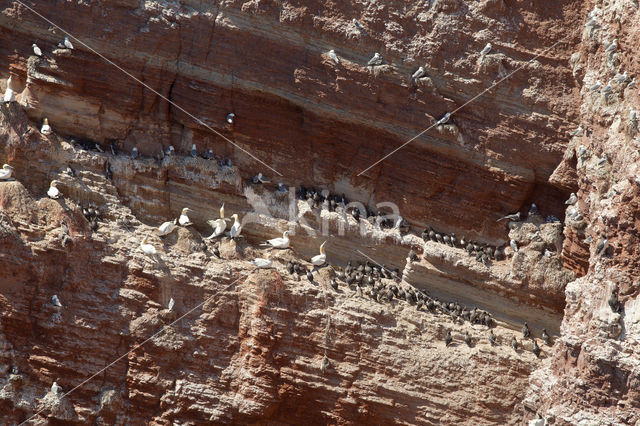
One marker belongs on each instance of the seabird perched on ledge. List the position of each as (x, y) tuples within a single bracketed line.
[(184, 218), (36, 49), (486, 49), (375, 60), (320, 259), (171, 304), (258, 179), (236, 228), (514, 217), (9, 94), (45, 129), (218, 225), (167, 227), (194, 151), (65, 44), (332, 55), (147, 248), (55, 301), (419, 73), (134, 153), (280, 243), (55, 388), (5, 172), (230, 117), (261, 263), (572, 199), (53, 191)]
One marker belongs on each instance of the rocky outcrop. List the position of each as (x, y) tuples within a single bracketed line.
[(245, 345)]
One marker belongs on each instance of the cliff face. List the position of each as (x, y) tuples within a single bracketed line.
[(254, 344)]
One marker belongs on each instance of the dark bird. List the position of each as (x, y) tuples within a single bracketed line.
[(492, 338), (208, 154), (134, 153), (525, 330), (467, 338), (532, 210), (613, 301), (310, 276), (448, 339), (514, 343), (69, 170), (545, 337), (334, 284), (114, 149), (107, 171), (536, 348), (412, 256), (216, 252), (194, 151)]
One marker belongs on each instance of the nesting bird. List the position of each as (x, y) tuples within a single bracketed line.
[(525, 330), (320, 259), (218, 225), (230, 117), (194, 151), (572, 199), (36, 50), (513, 217), (171, 304), (545, 337), (602, 245), (9, 94), (259, 179), (55, 301), (419, 73), (55, 388), (536, 349), (486, 49), (375, 60), (45, 129), (448, 339), (147, 248), (444, 119), (280, 243), (5, 172), (65, 44), (184, 220), (612, 46), (167, 227), (53, 191), (261, 263), (332, 55), (134, 153)]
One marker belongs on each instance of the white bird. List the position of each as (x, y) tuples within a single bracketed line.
[(515, 217), (55, 388), (376, 60), (218, 225), (444, 119), (621, 78), (612, 47), (230, 117), (184, 219), (53, 191), (148, 249), (398, 222), (236, 228), (5, 172), (257, 179), (513, 245), (280, 243), (572, 199), (45, 129), (596, 86), (9, 94), (134, 153), (167, 227), (602, 160), (602, 245), (332, 55), (67, 43), (55, 301), (588, 240), (171, 304), (194, 151), (577, 132), (319, 259), (261, 263), (419, 73), (486, 49), (36, 49)]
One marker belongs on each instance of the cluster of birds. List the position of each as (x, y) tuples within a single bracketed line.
[(483, 252), (93, 214)]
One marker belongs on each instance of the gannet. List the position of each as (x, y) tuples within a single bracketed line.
[(222, 212), (194, 151), (230, 117), (171, 304), (67, 43), (376, 60), (5, 172), (319, 259), (486, 49), (53, 191), (9, 94), (236, 228), (36, 49), (55, 301), (281, 243), (55, 388), (419, 73), (218, 225), (148, 249), (261, 263), (257, 179), (134, 153), (45, 129), (167, 227), (184, 219), (332, 55)]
